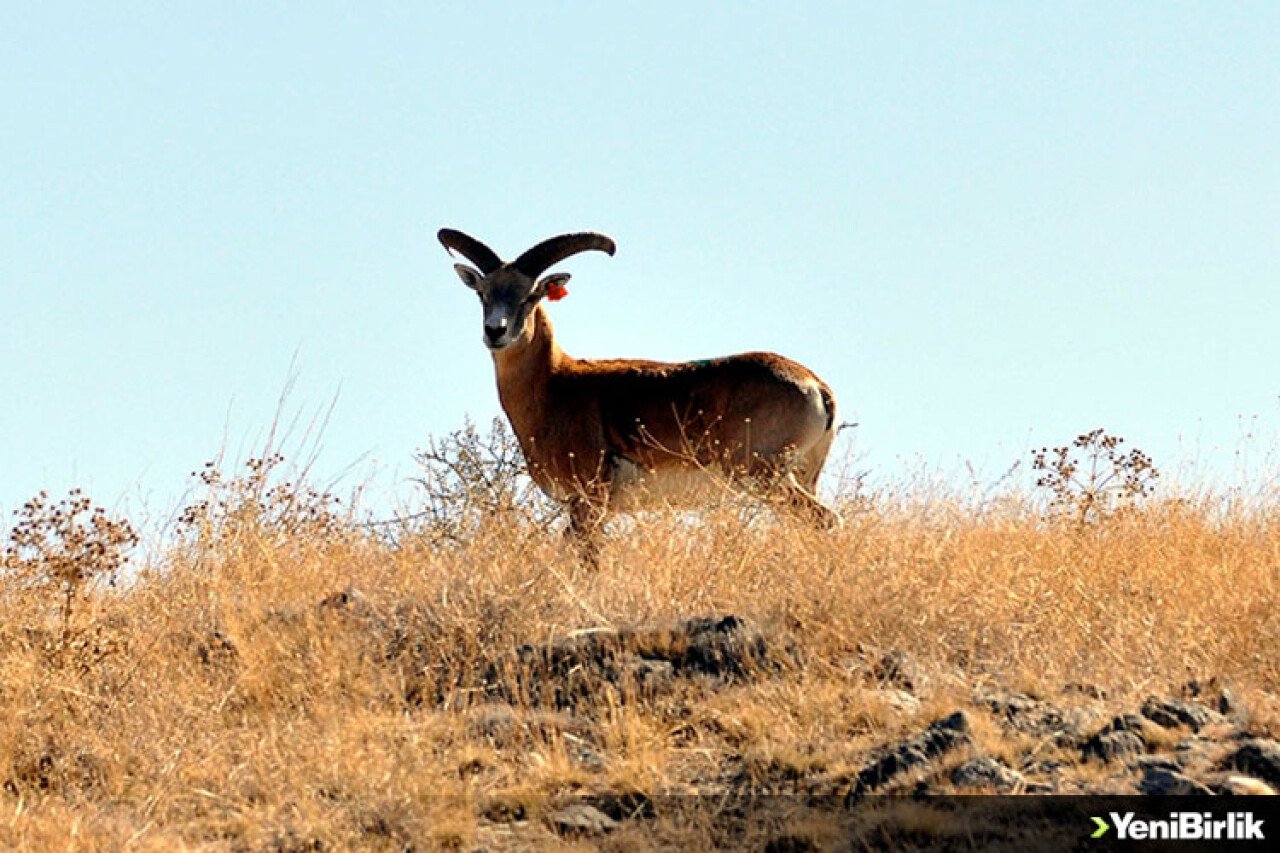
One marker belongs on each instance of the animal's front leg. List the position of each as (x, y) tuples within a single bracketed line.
[(586, 524)]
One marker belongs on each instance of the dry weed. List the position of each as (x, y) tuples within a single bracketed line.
[(287, 679)]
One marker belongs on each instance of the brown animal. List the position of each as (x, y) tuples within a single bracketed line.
[(623, 434)]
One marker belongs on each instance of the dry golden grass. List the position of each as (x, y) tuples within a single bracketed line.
[(281, 679)]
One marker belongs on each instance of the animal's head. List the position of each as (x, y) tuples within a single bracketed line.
[(509, 291)]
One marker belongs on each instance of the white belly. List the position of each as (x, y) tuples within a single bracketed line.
[(636, 488)]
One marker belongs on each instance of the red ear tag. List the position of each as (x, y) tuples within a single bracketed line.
[(556, 292)]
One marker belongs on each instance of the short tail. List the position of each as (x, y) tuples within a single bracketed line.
[(828, 403)]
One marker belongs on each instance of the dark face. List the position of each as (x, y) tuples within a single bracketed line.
[(507, 297)]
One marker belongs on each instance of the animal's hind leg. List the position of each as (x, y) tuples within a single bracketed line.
[(805, 503), (791, 485), (800, 484)]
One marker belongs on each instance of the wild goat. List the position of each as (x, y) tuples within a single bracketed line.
[(611, 434)]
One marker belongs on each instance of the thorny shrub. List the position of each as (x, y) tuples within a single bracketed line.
[(469, 480), (1093, 477), (256, 501), (60, 549)]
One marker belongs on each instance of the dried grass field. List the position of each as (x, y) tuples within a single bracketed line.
[(280, 676)]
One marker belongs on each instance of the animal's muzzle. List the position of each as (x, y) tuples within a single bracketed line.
[(494, 332)]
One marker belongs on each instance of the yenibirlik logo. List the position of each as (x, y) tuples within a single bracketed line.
[(1183, 826)]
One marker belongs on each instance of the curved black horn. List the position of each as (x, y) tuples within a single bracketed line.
[(549, 252), (471, 249)]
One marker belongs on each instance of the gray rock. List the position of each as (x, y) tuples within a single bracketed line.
[(1260, 758), (1069, 727), (1172, 713), (581, 819), (1157, 762), (987, 772), (1162, 782), (727, 647), (651, 676), (645, 660), (1066, 726), (1108, 746), (1006, 703), (941, 736), (1191, 748), (1127, 723)]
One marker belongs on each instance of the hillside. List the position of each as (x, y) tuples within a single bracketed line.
[(282, 677)]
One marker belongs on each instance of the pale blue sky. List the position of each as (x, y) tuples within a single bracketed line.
[(987, 225)]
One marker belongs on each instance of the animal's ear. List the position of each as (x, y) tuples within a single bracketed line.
[(553, 287), (470, 277)]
